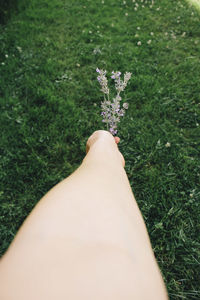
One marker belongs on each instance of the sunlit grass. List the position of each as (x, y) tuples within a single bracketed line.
[(196, 3)]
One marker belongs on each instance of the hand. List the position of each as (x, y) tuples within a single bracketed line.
[(104, 138)]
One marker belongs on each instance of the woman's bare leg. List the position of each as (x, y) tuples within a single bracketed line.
[(85, 239)]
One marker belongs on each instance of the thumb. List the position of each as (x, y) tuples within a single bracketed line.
[(117, 139)]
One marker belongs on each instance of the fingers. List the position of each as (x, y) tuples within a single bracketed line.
[(117, 139), (105, 139)]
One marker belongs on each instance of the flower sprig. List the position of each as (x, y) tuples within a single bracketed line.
[(111, 110)]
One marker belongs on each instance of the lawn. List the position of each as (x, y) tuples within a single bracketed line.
[(50, 104)]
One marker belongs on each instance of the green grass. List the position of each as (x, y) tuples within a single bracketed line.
[(8, 8), (50, 104)]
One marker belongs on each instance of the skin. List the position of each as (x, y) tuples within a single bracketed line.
[(85, 239)]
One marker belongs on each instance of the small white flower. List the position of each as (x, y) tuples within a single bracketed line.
[(126, 14), (149, 42), (78, 65), (125, 105), (139, 43), (90, 31), (158, 143), (19, 49), (136, 35), (97, 51), (6, 56), (3, 63), (183, 34), (151, 33), (138, 28), (167, 145), (135, 8)]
